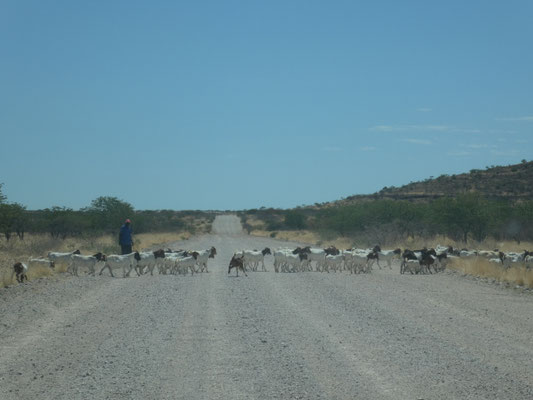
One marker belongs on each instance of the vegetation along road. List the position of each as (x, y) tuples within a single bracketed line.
[(266, 336)]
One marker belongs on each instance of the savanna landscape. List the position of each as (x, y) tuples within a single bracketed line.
[(257, 200), (290, 330)]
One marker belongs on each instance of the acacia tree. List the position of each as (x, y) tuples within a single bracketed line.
[(294, 220), (62, 222), (12, 219), (467, 214), (108, 213)]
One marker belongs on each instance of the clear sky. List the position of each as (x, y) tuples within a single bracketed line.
[(243, 104)]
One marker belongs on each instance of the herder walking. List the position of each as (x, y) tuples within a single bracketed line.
[(124, 238)]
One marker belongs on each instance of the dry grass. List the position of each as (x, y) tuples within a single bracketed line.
[(304, 236), (146, 240), (409, 243), (295, 236), (39, 245), (481, 267), (254, 222), (489, 244)]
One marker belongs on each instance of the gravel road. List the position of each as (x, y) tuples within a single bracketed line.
[(266, 336)]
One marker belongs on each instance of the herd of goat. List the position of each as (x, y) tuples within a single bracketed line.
[(307, 259), (421, 261), (173, 262), (301, 259)]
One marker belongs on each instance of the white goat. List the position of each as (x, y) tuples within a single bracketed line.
[(388, 256), (318, 256), (283, 258), (252, 258), (42, 262), (149, 260), (183, 264), (334, 262), (127, 262), (61, 258), (88, 262), (203, 257), (360, 262)]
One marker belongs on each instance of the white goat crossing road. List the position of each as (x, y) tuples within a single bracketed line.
[(305, 335)]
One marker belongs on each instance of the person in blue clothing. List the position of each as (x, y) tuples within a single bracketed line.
[(124, 238)]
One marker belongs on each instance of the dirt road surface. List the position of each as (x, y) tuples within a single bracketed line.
[(266, 336)]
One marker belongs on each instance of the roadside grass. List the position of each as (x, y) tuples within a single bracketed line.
[(324, 239), (37, 246), (293, 236), (481, 267), (147, 240), (344, 242)]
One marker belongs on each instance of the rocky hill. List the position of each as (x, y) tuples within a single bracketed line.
[(513, 182)]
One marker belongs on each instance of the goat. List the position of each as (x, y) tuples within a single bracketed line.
[(168, 263), (279, 259), (388, 256), (360, 262), (467, 253), (304, 255), (90, 262), (203, 257), (411, 266), (317, 255), (237, 263), (427, 261), (285, 258), (441, 261), (371, 257), (149, 261), (488, 254), (252, 258), (529, 262), (21, 270), (334, 262), (126, 261), (408, 261), (185, 262), (332, 250), (62, 258), (44, 262)]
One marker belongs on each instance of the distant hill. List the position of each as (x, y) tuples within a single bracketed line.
[(513, 182)]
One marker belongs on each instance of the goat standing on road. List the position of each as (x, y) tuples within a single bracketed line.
[(237, 263)]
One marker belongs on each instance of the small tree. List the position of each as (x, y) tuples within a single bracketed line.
[(467, 214), (12, 219), (294, 220), (62, 222), (109, 213)]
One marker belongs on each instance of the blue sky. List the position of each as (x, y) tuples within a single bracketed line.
[(243, 104)]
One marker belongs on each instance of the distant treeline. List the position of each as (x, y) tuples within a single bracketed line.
[(462, 218), (104, 215)]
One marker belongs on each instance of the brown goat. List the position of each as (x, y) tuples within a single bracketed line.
[(237, 263), (20, 269)]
